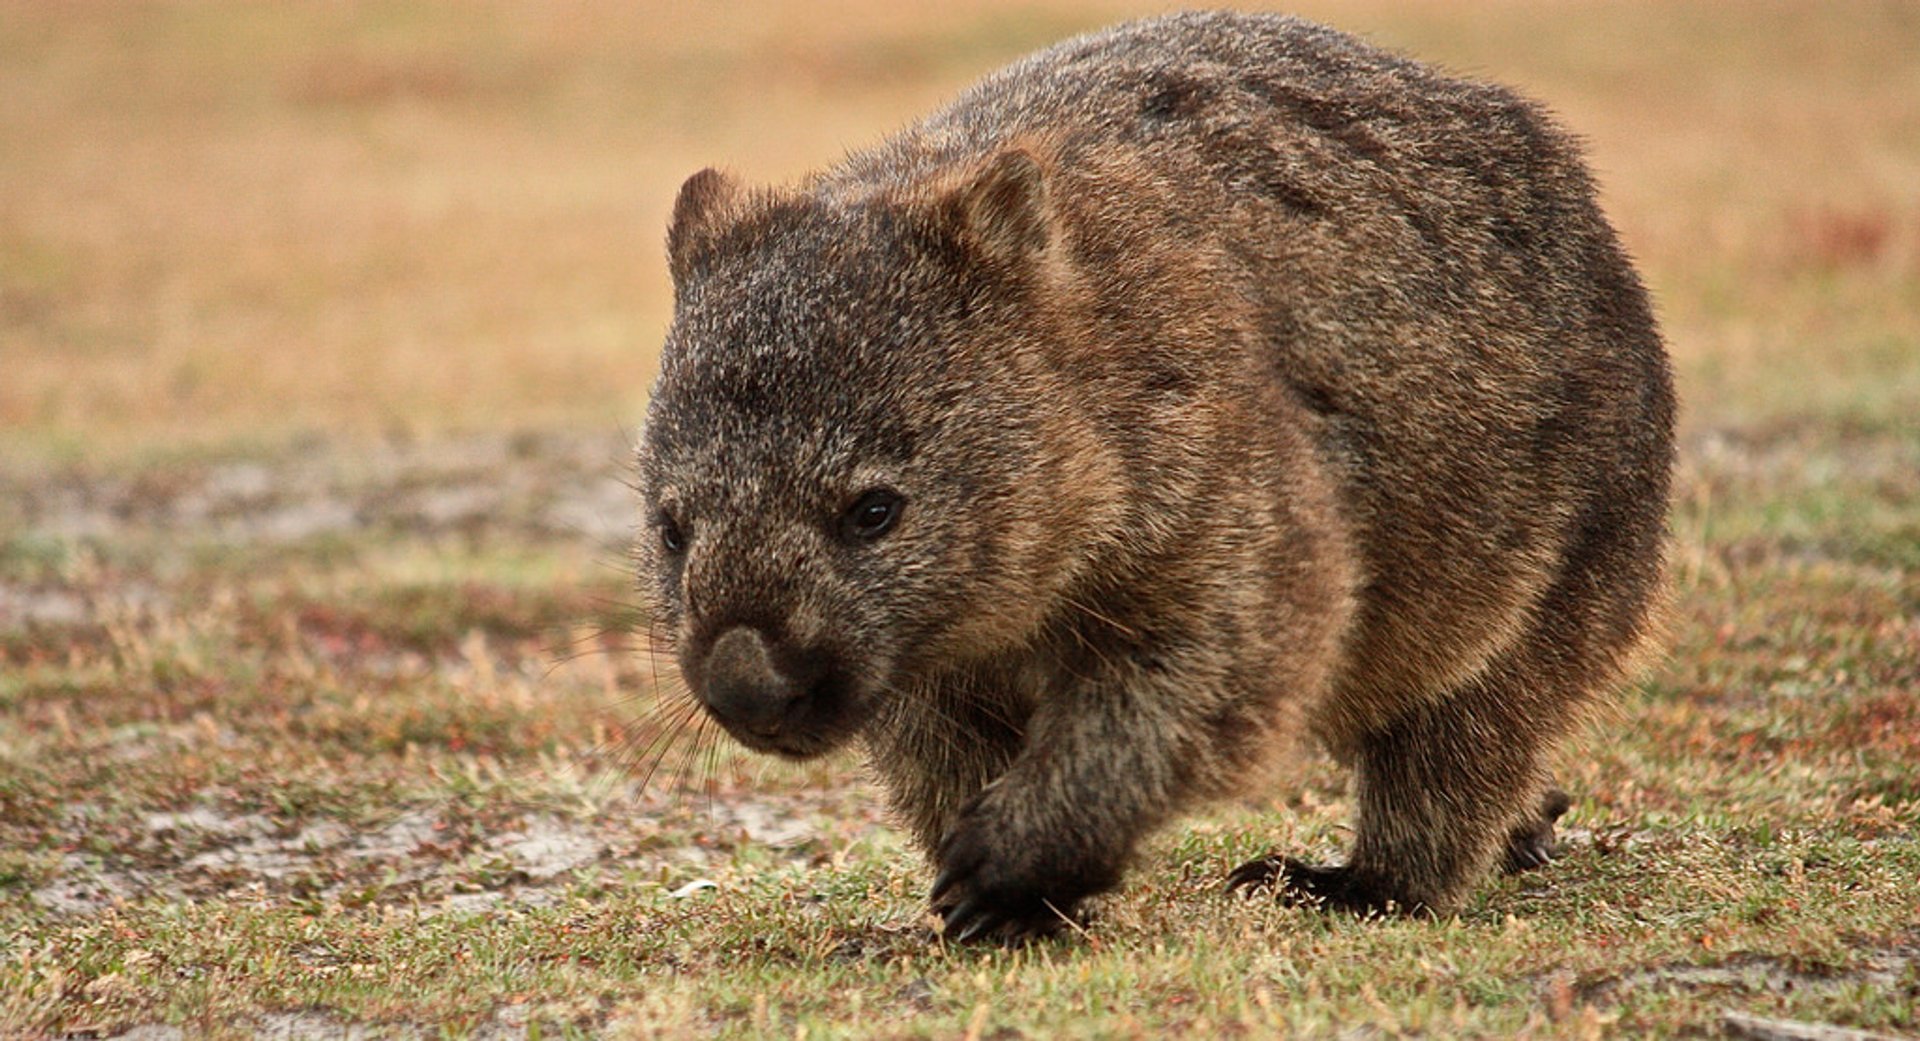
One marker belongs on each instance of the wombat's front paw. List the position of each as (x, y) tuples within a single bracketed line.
[(994, 885), (1336, 887)]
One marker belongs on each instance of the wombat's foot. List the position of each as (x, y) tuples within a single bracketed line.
[(1531, 844), (992, 885), (1331, 886)]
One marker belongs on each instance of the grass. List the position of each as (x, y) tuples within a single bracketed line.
[(323, 705)]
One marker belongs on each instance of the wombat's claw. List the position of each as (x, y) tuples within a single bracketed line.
[(970, 920), (971, 909), (1529, 847), (942, 885), (1531, 843), (1302, 884), (1256, 875), (965, 919)]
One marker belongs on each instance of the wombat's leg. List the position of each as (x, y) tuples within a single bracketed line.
[(1441, 790), (1442, 787), (936, 756), (1531, 844), (1445, 789), (1102, 765)]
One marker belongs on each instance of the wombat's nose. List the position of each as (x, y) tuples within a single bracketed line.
[(743, 687)]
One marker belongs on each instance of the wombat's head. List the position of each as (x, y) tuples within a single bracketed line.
[(848, 465)]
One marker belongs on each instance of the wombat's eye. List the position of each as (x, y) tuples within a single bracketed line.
[(872, 515), (670, 535)]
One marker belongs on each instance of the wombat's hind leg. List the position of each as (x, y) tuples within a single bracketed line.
[(1444, 791), (1531, 843)]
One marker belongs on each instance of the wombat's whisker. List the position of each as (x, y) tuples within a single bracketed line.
[(657, 749), (670, 701), (691, 752)]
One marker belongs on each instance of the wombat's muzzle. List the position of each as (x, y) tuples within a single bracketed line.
[(744, 690), (772, 701)]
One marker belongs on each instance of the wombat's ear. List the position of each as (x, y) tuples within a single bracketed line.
[(1003, 210), (695, 214)]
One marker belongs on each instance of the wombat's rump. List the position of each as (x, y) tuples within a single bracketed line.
[(1180, 388)]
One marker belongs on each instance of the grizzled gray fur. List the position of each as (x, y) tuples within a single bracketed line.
[(1183, 388)]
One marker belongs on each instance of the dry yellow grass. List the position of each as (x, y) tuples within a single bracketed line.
[(227, 221)]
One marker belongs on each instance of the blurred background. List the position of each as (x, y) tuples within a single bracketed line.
[(237, 223)]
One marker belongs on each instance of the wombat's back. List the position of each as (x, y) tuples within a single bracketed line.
[(1425, 269)]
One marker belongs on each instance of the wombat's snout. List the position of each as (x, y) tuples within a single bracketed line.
[(744, 690), (791, 701)]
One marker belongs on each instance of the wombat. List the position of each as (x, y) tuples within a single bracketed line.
[(1183, 388)]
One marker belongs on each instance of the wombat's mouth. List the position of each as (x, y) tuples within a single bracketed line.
[(795, 702), (823, 718)]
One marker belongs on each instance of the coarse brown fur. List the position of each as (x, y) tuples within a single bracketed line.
[(1177, 390)]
